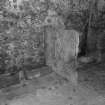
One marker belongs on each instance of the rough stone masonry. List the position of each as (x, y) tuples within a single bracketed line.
[(62, 49)]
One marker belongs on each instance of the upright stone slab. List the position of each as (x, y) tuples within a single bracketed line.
[(62, 49)]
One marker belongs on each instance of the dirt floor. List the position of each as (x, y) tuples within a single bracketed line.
[(93, 76), (52, 89)]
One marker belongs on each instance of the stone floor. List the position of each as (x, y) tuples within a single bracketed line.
[(51, 89)]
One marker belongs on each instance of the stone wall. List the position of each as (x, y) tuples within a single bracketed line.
[(23, 25), (22, 30), (21, 40)]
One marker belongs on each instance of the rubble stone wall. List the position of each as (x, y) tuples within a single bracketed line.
[(22, 30)]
